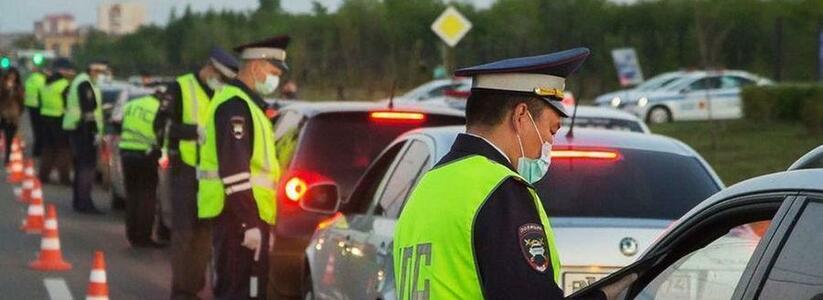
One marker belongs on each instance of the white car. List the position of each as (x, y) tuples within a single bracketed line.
[(604, 118), (609, 194), (700, 95), (434, 89), (615, 98)]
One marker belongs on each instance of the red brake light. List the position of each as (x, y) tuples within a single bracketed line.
[(295, 188), (397, 116), (586, 154)]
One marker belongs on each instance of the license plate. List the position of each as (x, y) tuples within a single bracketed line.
[(573, 281)]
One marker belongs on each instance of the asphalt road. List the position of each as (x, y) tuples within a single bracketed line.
[(132, 273)]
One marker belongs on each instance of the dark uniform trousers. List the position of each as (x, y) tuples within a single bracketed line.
[(191, 237), (84, 152), (34, 121), (236, 262), (140, 177), (55, 149)]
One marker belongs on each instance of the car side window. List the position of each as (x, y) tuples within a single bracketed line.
[(406, 173), (711, 272), (708, 83), (796, 273), (731, 82), (286, 133), (363, 193)]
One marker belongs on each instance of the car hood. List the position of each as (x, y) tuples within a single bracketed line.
[(596, 242)]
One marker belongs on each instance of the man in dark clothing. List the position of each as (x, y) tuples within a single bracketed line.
[(189, 97), (55, 143), (84, 123), (240, 171), (491, 237)]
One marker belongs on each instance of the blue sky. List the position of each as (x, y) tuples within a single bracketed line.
[(19, 15)]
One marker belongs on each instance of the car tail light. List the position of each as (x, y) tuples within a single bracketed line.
[(327, 222), (397, 116), (295, 188), (597, 154)]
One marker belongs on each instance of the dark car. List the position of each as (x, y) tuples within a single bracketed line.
[(330, 142)]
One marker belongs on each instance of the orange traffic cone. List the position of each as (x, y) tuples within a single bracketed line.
[(98, 287), (50, 257), (28, 182), (16, 165), (34, 222)]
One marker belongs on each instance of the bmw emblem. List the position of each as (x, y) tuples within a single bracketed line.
[(628, 246)]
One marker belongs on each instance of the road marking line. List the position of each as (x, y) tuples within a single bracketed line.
[(57, 288)]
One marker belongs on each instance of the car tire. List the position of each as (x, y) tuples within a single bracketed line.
[(659, 115), (307, 288)]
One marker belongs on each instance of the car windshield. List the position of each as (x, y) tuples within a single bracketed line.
[(339, 146), (638, 184), (603, 123), (658, 81)]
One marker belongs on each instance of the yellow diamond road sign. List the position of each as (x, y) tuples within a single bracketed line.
[(451, 26)]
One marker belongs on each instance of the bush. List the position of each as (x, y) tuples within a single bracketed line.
[(787, 102)]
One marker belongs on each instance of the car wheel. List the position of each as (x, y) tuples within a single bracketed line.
[(658, 115)]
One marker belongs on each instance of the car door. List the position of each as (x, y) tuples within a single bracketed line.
[(709, 255), (695, 102), (791, 267), (332, 246), (370, 242), (726, 103)]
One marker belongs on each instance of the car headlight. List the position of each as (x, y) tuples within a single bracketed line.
[(615, 101), (642, 101)]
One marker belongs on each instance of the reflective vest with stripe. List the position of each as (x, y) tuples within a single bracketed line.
[(53, 101), (74, 113), (195, 112), (434, 255), (264, 169), (34, 83), (138, 124)]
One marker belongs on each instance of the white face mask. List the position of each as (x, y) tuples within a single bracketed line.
[(268, 86), (214, 83), (100, 78)]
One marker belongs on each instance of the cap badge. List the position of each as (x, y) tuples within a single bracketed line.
[(548, 92)]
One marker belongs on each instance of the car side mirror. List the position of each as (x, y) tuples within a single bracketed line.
[(321, 198)]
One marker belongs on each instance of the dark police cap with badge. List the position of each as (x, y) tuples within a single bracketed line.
[(224, 62), (272, 49), (542, 76)]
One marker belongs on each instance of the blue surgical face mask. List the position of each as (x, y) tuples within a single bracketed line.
[(532, 169)]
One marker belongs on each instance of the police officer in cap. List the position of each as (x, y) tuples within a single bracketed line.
[(84, 123), (238, 172), (189, 98), (491, 237)]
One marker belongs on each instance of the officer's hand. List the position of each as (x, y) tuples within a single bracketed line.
[(252, 239), (613, 290)]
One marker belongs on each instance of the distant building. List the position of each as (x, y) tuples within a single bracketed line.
[(59, 33), (120, 18)]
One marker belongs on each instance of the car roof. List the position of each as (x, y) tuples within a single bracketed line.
[(795, 180), (583, 137), (312, 109), (810, 158), (589, 111)]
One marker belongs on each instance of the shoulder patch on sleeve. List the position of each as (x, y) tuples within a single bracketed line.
[(237, 124), (532, 241)]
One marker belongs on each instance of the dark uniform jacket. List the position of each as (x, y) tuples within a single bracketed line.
[(234, 151), (505, 272)]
